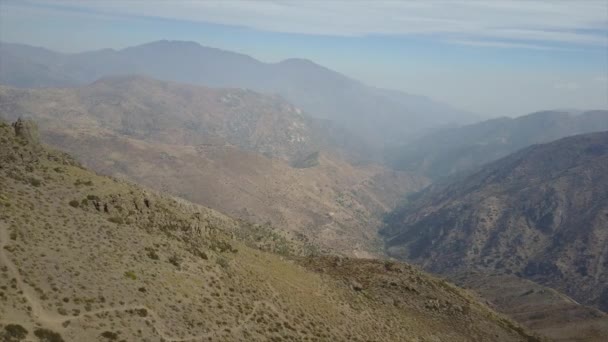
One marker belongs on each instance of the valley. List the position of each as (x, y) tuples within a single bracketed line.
[(311, 171), (231, 150)]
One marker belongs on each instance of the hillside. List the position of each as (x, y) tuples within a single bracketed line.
[(541, 309), (378, 115), (462, 149), (252, 156), (540, 213), (91, 258), (148, 109)]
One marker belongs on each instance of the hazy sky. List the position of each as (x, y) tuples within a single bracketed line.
[(490, 57)]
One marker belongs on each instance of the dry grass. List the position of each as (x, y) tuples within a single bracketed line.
[(173, 271)]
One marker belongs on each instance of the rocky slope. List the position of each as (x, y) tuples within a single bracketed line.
[(249, 155), (462, 149), (541, 309), (378, 115), (148, 109), (540, 213), (90, 258)]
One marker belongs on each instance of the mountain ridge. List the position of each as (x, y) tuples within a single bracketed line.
[(380, 116), (460, 150), (538, 213)]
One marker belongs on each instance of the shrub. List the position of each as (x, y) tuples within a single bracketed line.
[(116, 219), (152, 253), (46, 335), (74, 203), (14, 332), (223, 262), (81, 182), (175, 260), (131, 275), (35, 181), (112, 336), (142, 312)]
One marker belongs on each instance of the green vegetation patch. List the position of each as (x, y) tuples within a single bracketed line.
[(131, 275)]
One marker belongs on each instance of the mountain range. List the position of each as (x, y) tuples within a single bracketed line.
[(540, 213), (282, 173), (379, 116), (459, 150)]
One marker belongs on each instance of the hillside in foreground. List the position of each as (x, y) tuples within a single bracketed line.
[(91, 258)]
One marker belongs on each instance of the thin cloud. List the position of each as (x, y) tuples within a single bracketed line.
[(581, 23), (602, 79), (567, 86), (502, 45)]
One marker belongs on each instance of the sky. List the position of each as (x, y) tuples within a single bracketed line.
[(494, 58)]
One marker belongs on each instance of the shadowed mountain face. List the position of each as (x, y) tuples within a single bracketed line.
[(541, 213), (255, 157), (378, 115), (457, 150), (90, 258)]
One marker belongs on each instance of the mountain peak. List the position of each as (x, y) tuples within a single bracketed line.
[(171, 43), (298, 61)]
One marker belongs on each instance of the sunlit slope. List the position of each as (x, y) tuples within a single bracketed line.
[(90, 258)]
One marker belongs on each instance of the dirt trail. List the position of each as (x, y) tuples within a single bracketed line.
[(39, 314), (55, 321)]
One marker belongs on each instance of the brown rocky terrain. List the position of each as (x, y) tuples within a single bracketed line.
[(540, 213), (248, 155), (377, 115), (85, 257), (541, 309)]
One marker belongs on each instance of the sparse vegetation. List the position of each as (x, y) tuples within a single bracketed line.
[(203, 287), (175, 260), (151, 253), (83, 182), (116, 219), (222, 261), (131, 275), (93, 198)]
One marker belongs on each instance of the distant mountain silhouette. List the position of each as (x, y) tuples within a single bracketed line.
[(455, 150), (378, 115)]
